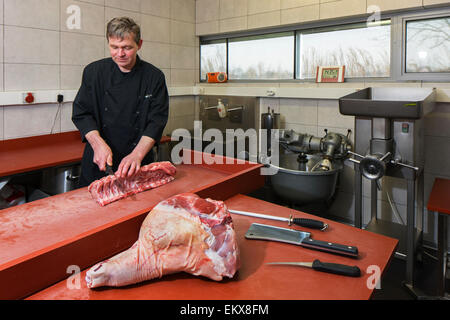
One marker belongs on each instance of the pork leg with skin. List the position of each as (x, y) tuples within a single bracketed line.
[(184, 233)]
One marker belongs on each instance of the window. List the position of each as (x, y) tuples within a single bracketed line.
[(213, 57), (262, 57), (401, 46), (428, 45), (363, 48)]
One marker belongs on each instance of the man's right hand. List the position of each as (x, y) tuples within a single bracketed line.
[(102, 152)]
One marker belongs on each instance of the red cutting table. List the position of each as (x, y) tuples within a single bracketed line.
[(439, 202), (38, 152), (39, 240), (46, 236), (255, 280)]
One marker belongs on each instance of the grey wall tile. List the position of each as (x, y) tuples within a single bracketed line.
[(160, 8), (71, 77), (182, 106), (155, 29), (31, 13), (207, 10), (81, 49), (329, 115), (20, 77), (183, 10), (66, 118), (28, 45), (182, 77), (182, 57), (182, 33), (156, 53), (111, 13), (301, 111), (25, 121), (131, 5)]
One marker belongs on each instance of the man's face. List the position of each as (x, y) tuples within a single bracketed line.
[(124, 51)]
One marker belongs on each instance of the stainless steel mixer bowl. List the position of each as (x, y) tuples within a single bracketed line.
[(297, 183)]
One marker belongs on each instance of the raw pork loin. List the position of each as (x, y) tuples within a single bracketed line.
[(112, 188), (183, 233)]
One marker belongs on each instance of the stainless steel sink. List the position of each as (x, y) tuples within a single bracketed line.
[(398, 103)]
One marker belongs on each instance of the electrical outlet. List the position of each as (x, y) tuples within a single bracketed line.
[(28, 97)]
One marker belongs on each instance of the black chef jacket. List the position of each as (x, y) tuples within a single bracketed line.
[(122, 107)]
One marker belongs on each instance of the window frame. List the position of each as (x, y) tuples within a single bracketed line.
[(400, 48), (200, 55), (397, 54)]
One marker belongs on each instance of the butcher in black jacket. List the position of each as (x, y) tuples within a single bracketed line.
[(121, 108)]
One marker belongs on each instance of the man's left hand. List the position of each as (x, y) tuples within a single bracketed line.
[(129, 165), (132, 163)]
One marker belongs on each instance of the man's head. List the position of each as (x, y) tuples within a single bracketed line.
[(124, 39)]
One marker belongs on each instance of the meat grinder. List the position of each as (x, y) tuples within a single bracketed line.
[(308, 166), (389, 141)]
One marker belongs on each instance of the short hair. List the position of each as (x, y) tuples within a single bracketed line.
[(121, 27)]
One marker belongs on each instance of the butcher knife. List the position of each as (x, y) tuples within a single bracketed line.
[(109, 170), (336, 268), (308, 223), (260, 231)]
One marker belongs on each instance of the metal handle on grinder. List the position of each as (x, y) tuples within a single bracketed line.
[(308, 223), (342, 269)]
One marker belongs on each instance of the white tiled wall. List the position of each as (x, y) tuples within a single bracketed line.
[(181, 113), (39, 52), (214, 16), (34, 120)]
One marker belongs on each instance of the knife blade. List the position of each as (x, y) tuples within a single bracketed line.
[(258, 231), (335, 268), (308, 223)]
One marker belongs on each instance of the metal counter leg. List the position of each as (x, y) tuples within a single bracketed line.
[(442, 253), (373, 200), (410, 227), (358, 197)]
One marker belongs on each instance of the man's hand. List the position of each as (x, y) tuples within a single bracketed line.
[(132, 163), (102, 152)]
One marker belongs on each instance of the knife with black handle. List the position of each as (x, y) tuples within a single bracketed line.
[(109, 170), (335, 268), (330, 247), (260, 231)]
